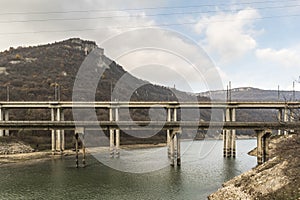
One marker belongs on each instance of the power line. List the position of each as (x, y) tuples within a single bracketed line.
[(136, 9), (141, 26), (148, 15)]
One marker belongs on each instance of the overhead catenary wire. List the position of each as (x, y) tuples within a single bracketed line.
[(145, 15), (145, 8), (140, 26)]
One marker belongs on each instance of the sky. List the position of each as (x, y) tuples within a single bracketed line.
[(190, 45)]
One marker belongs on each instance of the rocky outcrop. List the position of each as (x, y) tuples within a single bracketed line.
[(278, 178), (14, 148)]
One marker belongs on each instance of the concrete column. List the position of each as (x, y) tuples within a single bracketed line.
[(117, 133), (224, 143), (233, 133), (279, 116), (111, 135), (53, 136), (62, 118), (77, 132), (178, 149), (111, 143), (175, 115), (76, 148), (172, 149), (58, 133), (266, 146), (259, 147), (224, 133), (292, 118), (285, 119), (263, 139), (168, 131), (6, 118), (228, 135), (1, 119), (83, 155)]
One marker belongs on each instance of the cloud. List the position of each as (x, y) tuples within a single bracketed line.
[(164, 57), (284, 57), (229, 35), (59, 29)]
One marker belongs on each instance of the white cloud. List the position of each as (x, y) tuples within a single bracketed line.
[(229, 35), (284, 57), (165, 57), (104, 27)]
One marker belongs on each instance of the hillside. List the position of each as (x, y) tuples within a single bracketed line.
[(253, 94)]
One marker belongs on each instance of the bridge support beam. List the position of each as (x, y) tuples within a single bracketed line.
[(263, 139), (229, 143), (175, 154)]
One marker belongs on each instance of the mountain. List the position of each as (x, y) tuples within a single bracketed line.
[(252, 94)]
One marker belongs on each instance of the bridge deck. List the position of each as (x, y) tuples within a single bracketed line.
[(144, 125), (173, 104)]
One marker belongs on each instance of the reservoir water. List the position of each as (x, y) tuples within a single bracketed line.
[(59, 179)]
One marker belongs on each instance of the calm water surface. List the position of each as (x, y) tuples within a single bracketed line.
[(59, 179)]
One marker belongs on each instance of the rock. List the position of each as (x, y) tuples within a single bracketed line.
[(278, 178), (14, 148)]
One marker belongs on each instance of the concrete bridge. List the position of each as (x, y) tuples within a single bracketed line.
[(173, 125)]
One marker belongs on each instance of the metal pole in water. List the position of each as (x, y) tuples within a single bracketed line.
[(178, 148), (76, 148)]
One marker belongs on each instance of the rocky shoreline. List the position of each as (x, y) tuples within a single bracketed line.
[(278, 178), (15, 147)]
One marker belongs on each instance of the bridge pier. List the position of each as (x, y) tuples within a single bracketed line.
[(1, 119), (4, 116), (79, 131), (57, 136), (175, 154), (285, 119), (229, 143), (263, 139), (279, 116), (114, 134), (170, 116)]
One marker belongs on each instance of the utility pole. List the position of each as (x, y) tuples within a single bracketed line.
[(7, 93), (229, 91), (278, 93), (293, 90)]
